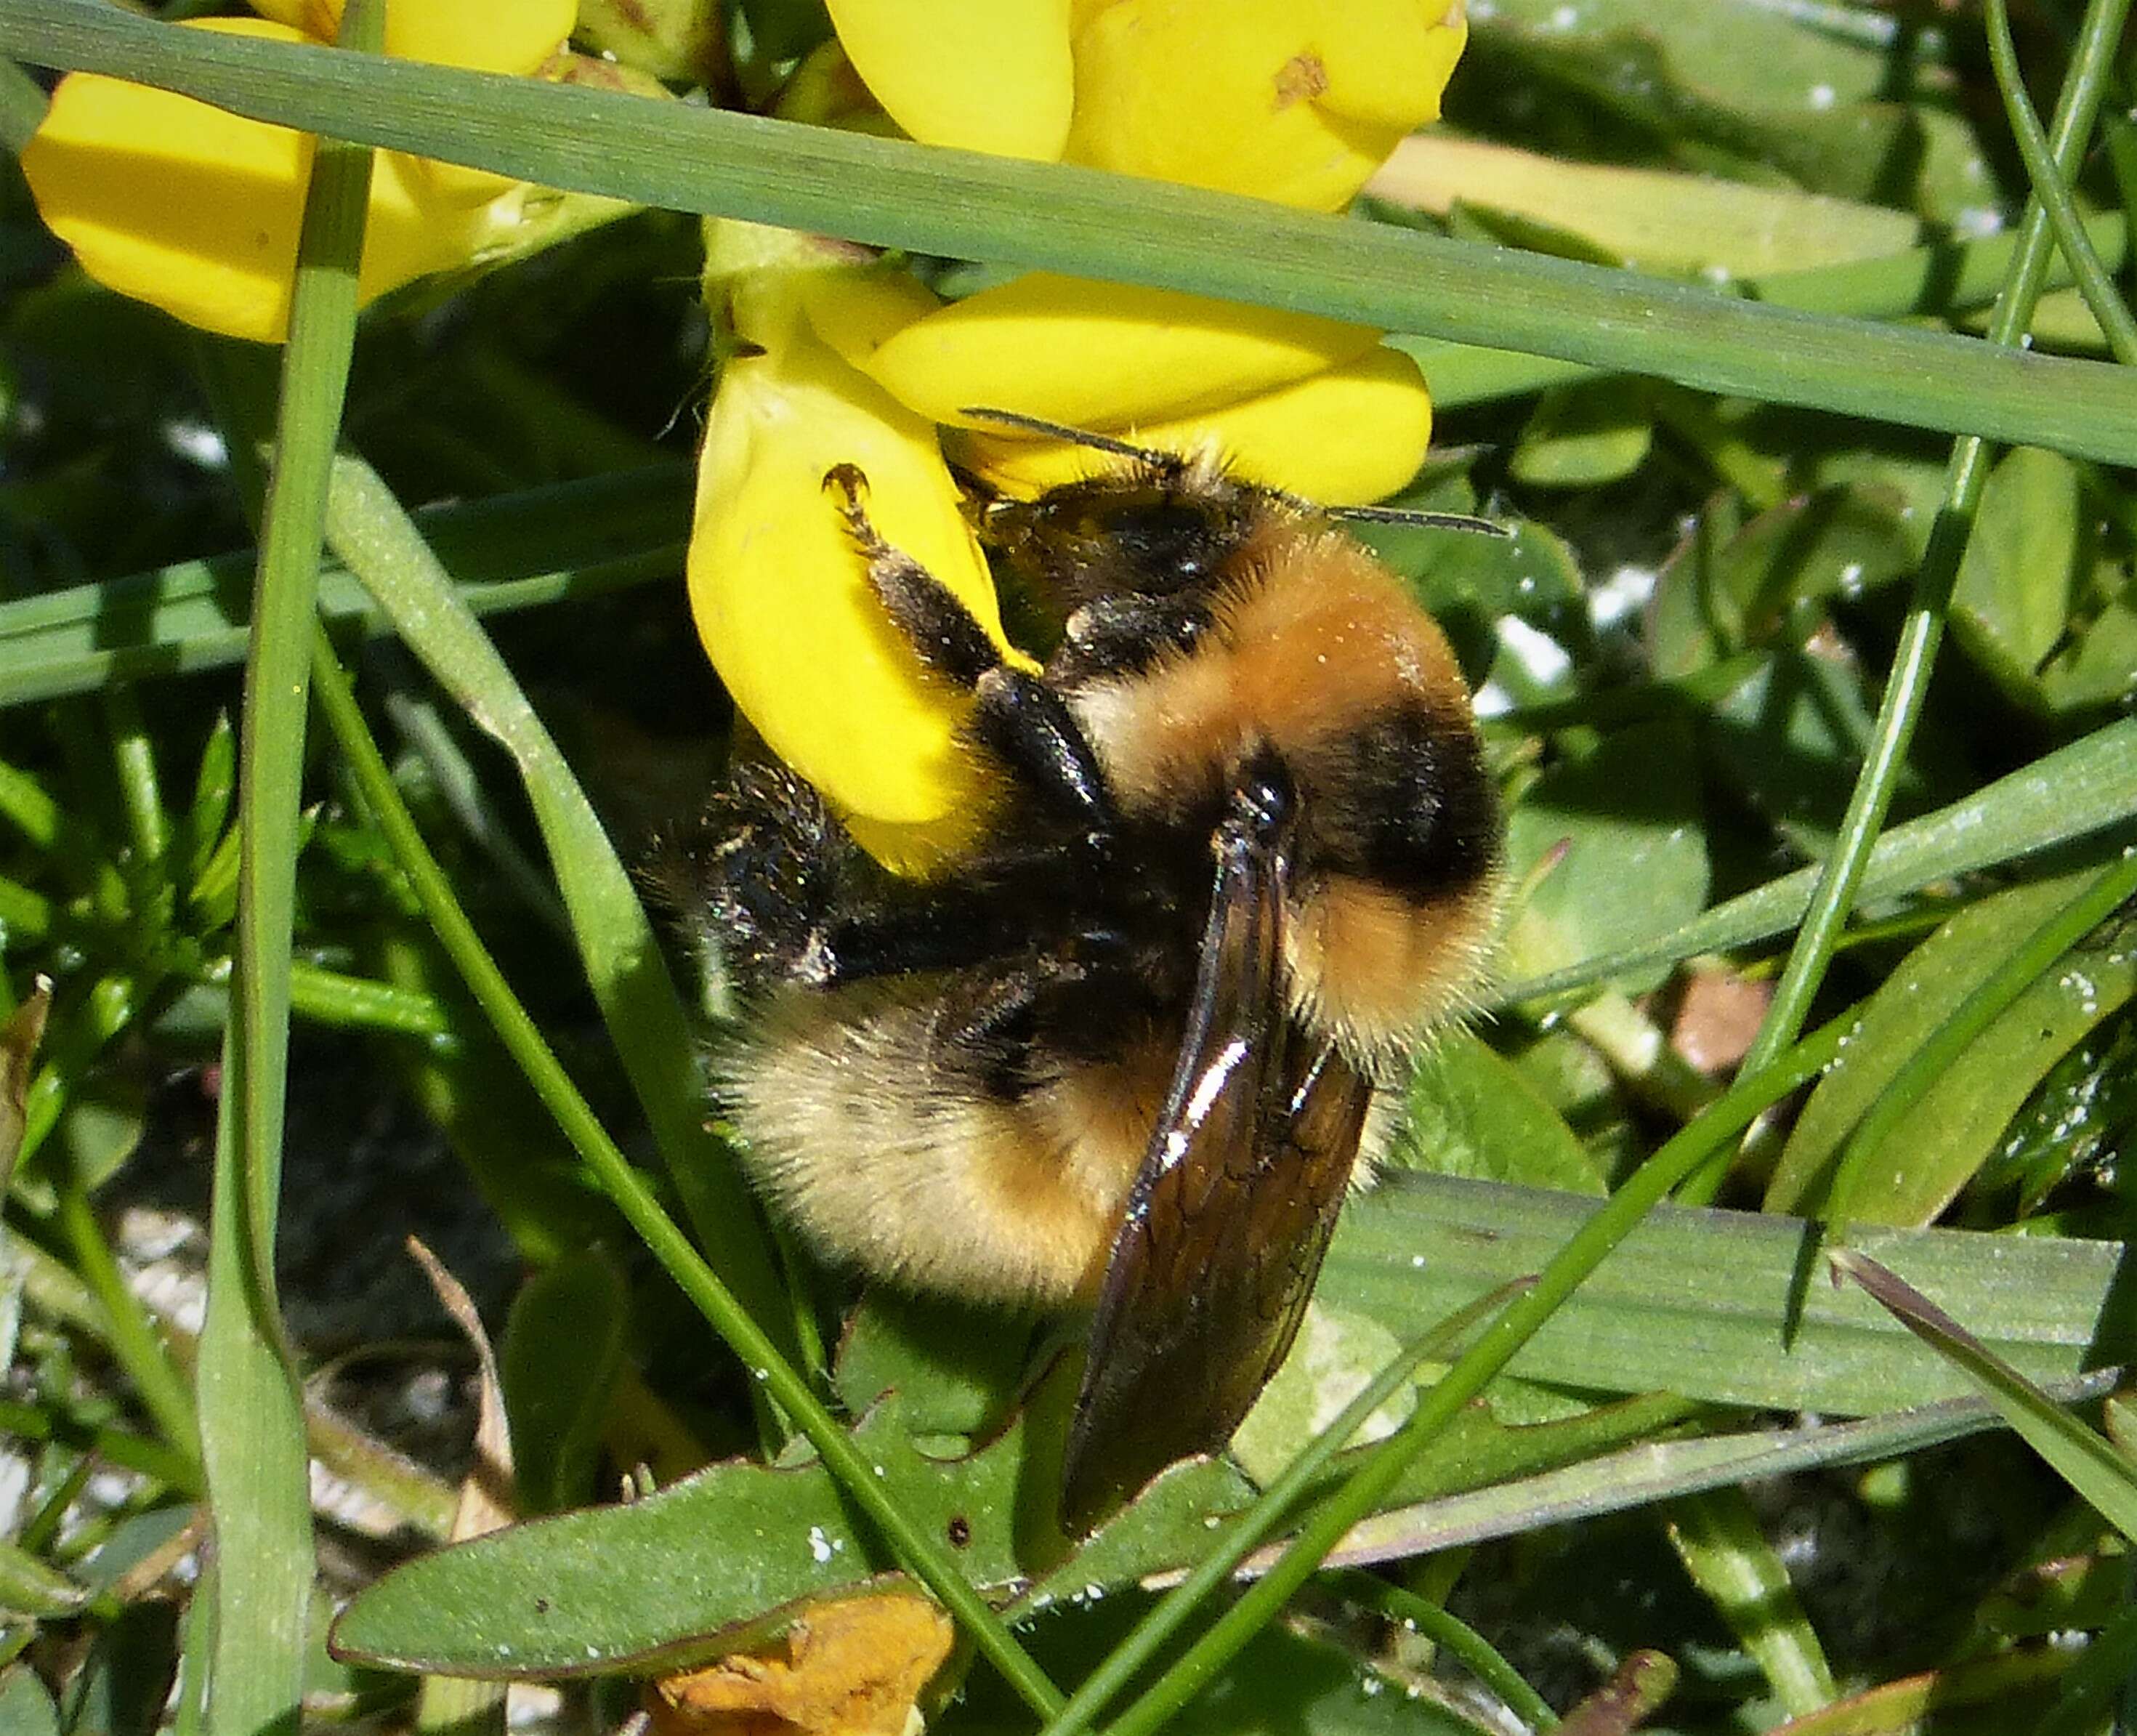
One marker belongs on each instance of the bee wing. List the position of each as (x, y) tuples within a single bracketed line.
[(1231, 1214)]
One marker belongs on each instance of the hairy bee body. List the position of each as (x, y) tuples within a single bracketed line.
[(1243, 855)]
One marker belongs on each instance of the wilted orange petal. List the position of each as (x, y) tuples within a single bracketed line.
[(848, 1666)]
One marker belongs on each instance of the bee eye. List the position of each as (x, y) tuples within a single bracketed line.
[(1168, 542)]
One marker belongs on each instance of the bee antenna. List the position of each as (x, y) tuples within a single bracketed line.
[(1062, 431), (1426, 521)]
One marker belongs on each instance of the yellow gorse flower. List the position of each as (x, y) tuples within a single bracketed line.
[(1297, 100), (175, 203), (779, 592)]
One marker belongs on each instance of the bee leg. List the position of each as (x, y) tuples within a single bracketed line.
[(756, 880), (1018, 717)]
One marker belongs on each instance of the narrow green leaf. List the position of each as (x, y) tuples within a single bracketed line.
[(1717, 1537), (1649, 1470), (252, 1432), (573, 540), (1920, 1154), (631, 983), (30, 1586), (2012, 599), (562, 1350), (1054, 216), (1697, 1302), (2083, 1457)]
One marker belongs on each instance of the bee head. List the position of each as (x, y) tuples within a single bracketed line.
[(1163, 526)]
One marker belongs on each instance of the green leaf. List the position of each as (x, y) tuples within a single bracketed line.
[(30, 1586), (1699, 1302), (681, 1574), (1055, 217), (25, 1709), (2020, 571), (954, 1368), (2098, 667), (1584, 435), (562, 1351), (1473, 1112), (1652, 219), (1634, 862), (1935, 1148), (1756, 82), (2084, 1458), (1333, 1360)]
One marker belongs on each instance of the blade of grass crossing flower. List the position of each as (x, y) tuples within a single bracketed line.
[(2084, 1459), (1906, 685), (1058, 217), (252, 1431), (928, 1559), (638, 999), (2093, 281), (1516, 1324)]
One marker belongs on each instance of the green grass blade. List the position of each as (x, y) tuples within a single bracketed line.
[(1655, 1471), (930, 1560), (1518, 1323), (2084, 1457), (518, 550), (2049, 185), (2085, 787), (1907, 684), (1870, 1171), (1127, 1660), (1054, 217), (1717, 1537), (630, 984), (252, 1426)]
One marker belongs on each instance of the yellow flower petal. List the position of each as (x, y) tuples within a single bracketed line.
[(196, 210), (782, 601), (992, 75), (486, 36), (857, 311), (1102, 355), (1354, 435), (1387, 61), (1294, 100)]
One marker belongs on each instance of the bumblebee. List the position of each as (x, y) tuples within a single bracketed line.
[(1132, 1054)]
